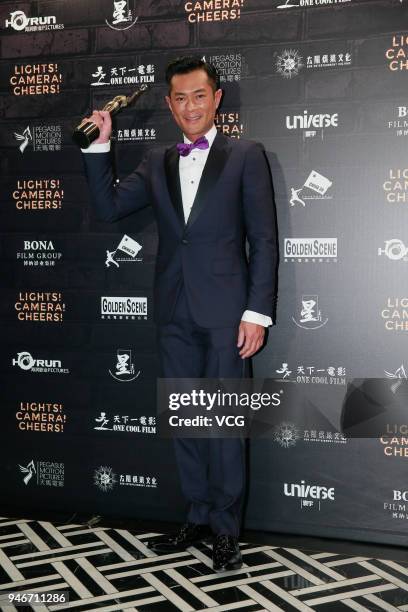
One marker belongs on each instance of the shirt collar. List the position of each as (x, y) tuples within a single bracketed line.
[(210, 136)]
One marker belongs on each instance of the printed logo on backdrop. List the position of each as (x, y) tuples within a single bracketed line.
[(40, 306), (36, 79), (310, 250), (397, 505), (39, 254), (124, 370), (394, 442), (288, 4), (287, 435), (312, 125), (309, 315), (315, 187), (40, 138), (396, 186), (213, 10), (46, 417), (43, 473), (128, 250), (123, 75), (38, 194), (125, 424), (289, 63), (230, 124), (19, 22), (399, 124), (123, 308), (399, 375), (395, 250), (123, 15), (230, 67), (105, 479), (397, 53), (26, 362), (395, 314), (310, 374), (311, 496), (142, 134)]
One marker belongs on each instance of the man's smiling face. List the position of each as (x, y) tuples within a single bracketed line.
[(193, 103)]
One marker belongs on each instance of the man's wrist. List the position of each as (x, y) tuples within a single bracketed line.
[(255, 317), (99, 147)]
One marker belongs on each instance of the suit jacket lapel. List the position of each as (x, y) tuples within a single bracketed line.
[(171, 163), (213, 168)]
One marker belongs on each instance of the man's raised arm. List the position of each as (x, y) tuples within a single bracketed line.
[(112, 200)]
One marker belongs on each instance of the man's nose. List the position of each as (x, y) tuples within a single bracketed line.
[(191, 104)]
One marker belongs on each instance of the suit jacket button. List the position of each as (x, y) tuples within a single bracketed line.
[(184, 241)]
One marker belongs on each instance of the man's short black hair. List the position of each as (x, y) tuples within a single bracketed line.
[(188, 63)]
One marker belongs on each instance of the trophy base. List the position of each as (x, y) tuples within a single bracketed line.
[(81, 139)]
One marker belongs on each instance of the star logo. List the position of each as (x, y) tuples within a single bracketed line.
[(289, 63), (105, 479), (286, 434)]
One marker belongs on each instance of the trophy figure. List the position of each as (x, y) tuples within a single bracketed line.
[(86, 132)]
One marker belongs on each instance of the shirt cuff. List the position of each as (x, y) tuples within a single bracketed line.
[(254, 317), (100, 147)]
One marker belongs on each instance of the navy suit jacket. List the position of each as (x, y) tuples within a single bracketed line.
[(234, 202)]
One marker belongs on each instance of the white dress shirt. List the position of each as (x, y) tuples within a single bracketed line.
[(191, 168)]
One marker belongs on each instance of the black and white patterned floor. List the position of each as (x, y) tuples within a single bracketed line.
[(107, 568)]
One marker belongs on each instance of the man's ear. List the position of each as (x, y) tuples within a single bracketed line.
[(168, 102), (218, 97)]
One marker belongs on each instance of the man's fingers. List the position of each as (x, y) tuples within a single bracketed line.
[(248, 347), (241, 336), (100, 117), (253, 343), (250, 339), (251, 350), (103, 121)]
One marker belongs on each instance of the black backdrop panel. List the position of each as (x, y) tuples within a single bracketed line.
[(323, 86)]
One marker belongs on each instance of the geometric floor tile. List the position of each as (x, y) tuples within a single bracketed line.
[(107, 569)]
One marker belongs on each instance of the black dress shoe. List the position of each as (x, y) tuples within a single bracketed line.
[(188, 535), (226, 553)]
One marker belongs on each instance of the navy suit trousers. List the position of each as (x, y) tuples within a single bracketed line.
[(212, 471)]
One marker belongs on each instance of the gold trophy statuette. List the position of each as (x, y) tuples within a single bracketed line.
[(86, 132)]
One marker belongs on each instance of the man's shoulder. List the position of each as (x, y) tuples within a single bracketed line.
[(159, 150), (242, 144)]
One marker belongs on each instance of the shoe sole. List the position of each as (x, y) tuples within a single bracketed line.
[(227, 568), (164, 550)]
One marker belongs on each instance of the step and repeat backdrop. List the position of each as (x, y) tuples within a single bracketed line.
[(323, 85)]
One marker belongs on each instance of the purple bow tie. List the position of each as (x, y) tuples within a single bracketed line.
[(185, 149)]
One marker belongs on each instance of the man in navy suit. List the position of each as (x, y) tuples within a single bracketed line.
[(212, 303)]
